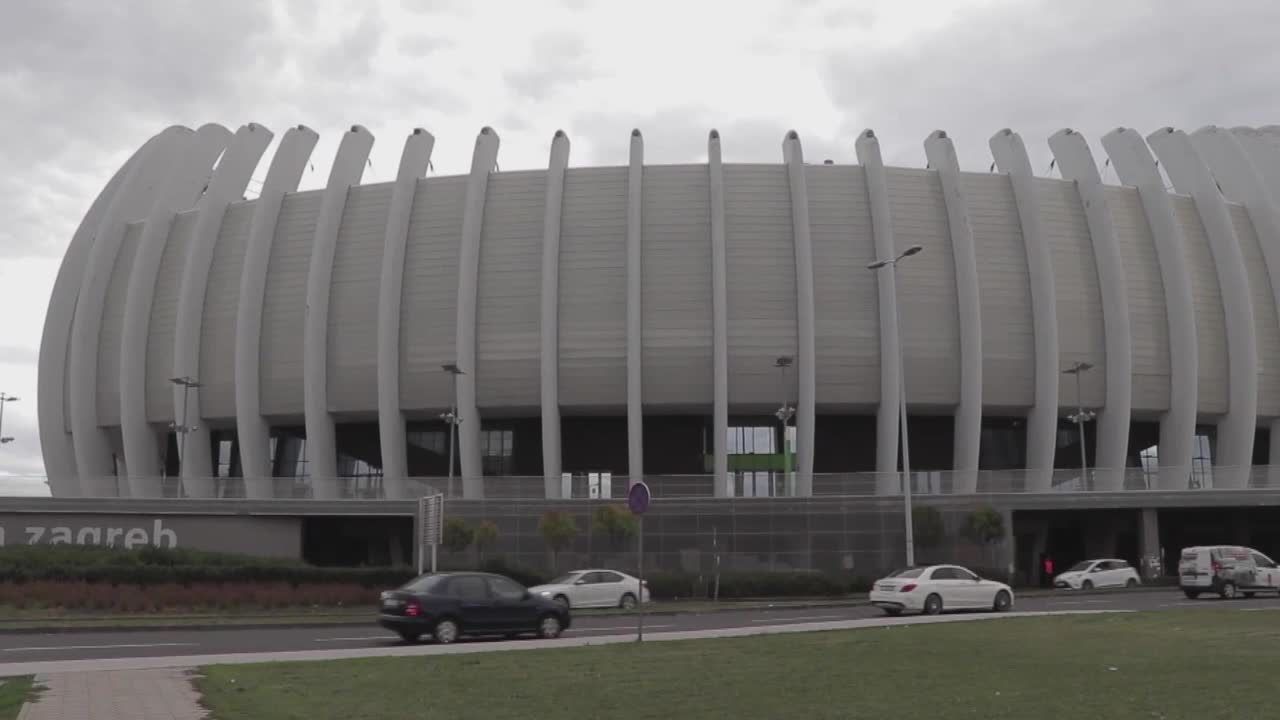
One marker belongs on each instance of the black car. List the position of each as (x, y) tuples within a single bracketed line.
[(447, 606)]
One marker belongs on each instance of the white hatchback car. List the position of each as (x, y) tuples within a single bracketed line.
[(595, 588), (935, 589), (1090, 574)]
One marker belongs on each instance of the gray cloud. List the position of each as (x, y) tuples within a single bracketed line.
[(556, 60), (1039, 67)]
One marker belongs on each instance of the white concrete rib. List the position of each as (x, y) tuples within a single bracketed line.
[(391, 424), (1042, 422), (185, 183), (635, 339), (1076, 163), (887, 414), (724, 485), (322, 450), (941, 154), (482, 162), (1237, 428), (1136, 167), (806, 350), (252, 431), (96, 458), (549, 343)]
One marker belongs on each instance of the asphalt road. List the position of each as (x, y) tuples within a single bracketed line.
[(16, 648)]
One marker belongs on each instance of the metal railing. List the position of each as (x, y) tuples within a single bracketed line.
[(741, 485)]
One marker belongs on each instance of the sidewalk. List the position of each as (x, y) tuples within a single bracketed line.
[(162, 694)]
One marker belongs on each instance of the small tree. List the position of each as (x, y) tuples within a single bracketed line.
[(457, 535), (558, 530), (928, 526), (485, 537), (616, 525), (984, 526)]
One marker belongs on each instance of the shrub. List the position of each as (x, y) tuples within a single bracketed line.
[(457, 535), (558, 530), (742, 585), (984, 526), (927, 526), (486, 537), (616, 524), (524, 576)]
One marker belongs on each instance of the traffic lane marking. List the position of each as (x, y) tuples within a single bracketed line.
[(802, 618), (120, 646)]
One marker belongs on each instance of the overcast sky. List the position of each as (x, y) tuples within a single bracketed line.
[(83, 84)]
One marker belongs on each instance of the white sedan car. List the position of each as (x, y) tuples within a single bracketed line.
[(934, 589), (1090, 574), (595, 588)]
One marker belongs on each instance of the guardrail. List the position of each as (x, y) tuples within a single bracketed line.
[(742, 484)]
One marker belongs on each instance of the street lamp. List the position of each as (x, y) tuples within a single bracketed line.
[(784, 415), (1081, 415), (892, 264), (5, 399), (451, 417), (187, 384)]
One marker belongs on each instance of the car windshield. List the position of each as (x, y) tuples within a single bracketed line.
[(1080, 566), (423, 584), (566, 579), (908, 573)]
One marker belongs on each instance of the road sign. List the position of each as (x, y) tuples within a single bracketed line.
[(430, 528), (638, 498)]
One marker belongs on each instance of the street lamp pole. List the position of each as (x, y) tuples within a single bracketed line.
[(902, 401), (187, 384), (451, 417), (1081, 416), (5, 399), (784, 415)]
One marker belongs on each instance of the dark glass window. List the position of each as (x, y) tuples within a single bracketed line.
[(505, 589), (468, 587)]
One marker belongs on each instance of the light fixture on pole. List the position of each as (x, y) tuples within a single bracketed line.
[(182, 428), (1081, 416), (5, 399), (892, 264), (451, 417), (784, 415)]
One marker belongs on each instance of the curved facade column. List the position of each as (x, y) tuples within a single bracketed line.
[(144, 179), (1136, 167), (252, 431), (227, 185), (723, 486), (1042, 422), (391, 425), (1076, 163), (806, 352), (51, 380), (185, 184), (941, 154), (887, 415), (635, 376), (322, 449), (550, 331), (482, 162), (1237, 428), (1241, 182)]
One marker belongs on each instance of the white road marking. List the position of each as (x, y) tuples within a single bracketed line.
[(784, 620), (388, 636), (647, 626), (97, 647)]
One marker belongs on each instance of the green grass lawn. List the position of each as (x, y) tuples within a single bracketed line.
[(1183, 664), (14, 692)]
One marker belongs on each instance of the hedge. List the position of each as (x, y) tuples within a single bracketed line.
[(740, 585)]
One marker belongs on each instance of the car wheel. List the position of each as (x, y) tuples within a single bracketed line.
[(1228, 591), (549, 627), (933, 605), (446, 631), (563, 600), (628, 601), (409, 636), (1191, 594), (1003, 602), (892, 612), (1131, 583), (1086, 585)]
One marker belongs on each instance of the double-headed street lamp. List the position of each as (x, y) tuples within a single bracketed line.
[(5, 399), (451, 417), (892, 264), (784, 415), (182, 428), (1081, 415)]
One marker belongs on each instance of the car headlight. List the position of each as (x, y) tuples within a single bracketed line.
[(545, 593)]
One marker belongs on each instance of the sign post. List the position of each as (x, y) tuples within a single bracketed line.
[(638, 502), (430, 527)]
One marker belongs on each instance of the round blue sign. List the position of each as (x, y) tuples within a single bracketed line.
[(638, 498)]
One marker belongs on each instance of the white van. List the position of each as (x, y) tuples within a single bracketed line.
[(1228, 570)]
